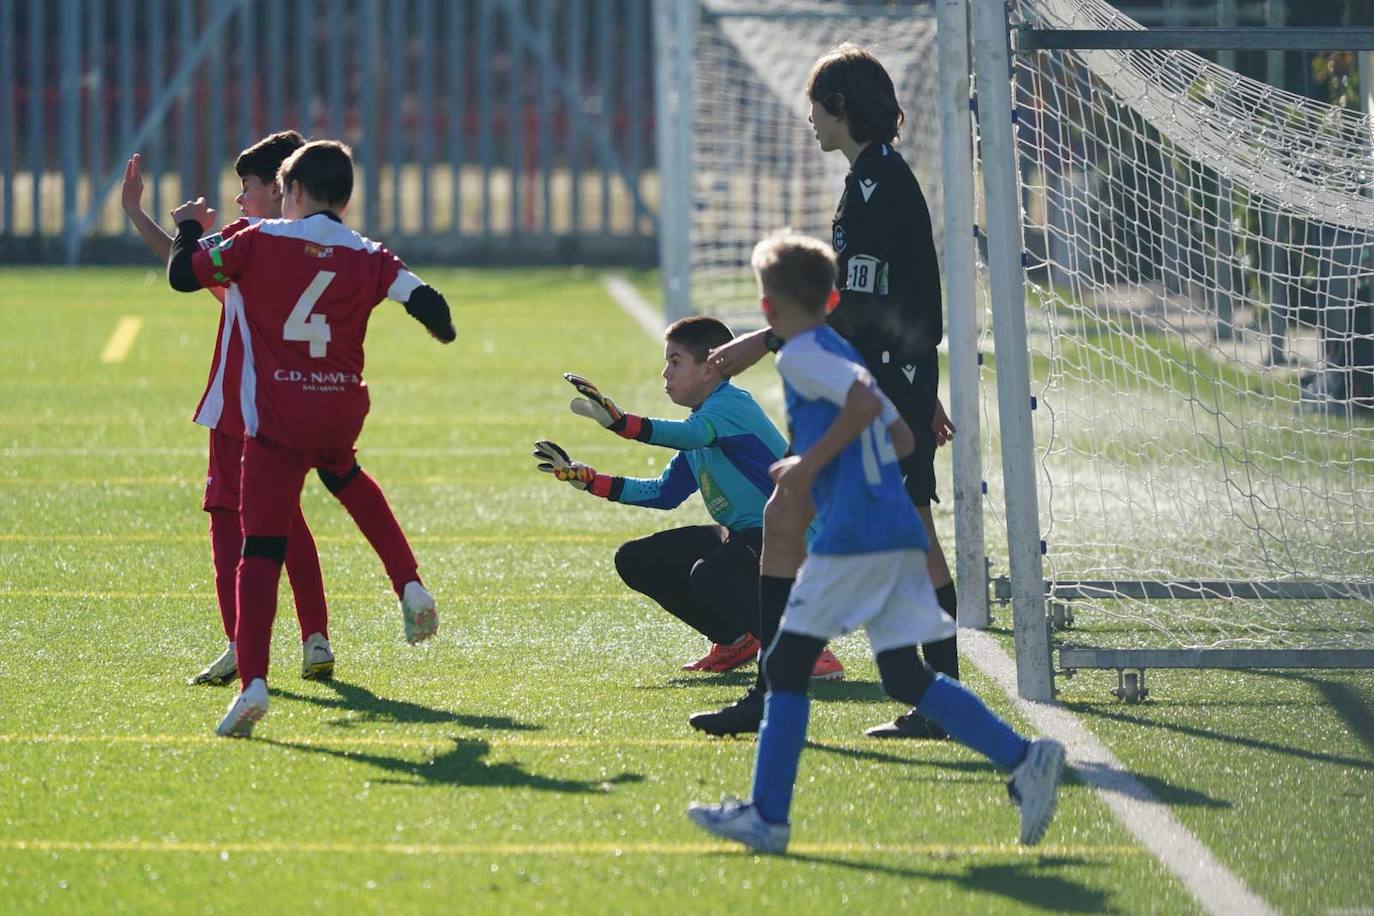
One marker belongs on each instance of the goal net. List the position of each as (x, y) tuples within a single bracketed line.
[(1199, 282), (755, 164)]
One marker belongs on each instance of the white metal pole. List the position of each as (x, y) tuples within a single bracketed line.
[(961, 310), (991, 42), (674, 28)]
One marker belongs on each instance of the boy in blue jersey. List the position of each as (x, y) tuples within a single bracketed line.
[(705, 575), (857, 573)]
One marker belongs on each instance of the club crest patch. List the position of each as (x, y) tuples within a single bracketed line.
[(837, 239)]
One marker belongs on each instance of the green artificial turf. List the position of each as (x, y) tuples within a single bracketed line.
[(536, 755)]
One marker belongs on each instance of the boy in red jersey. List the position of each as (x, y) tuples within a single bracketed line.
[(261, 198), (304, 288), (218, 410)]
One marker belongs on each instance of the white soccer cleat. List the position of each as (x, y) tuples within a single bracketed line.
[(220, 671), (740, 821), (418, 612), (1034, 787), (246, 711), (317, 659)]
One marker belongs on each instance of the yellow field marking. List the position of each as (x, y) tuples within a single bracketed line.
[(277, 847), (122, 340), (320, 538), (374, 741), (342, 596)]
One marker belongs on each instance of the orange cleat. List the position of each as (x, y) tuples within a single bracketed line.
[(726, 657), (828, 667)]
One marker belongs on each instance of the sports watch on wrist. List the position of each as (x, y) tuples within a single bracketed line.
[(771, 341)]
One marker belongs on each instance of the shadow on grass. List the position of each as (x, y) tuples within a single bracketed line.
[(963, 766), (1145, 788), (1023, 882), (368, 708), (739, 677), (1091, 711), (465, 764), (1347, 703), (846, 691)]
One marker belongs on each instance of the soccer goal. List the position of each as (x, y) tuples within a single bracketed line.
[(1194, 257)]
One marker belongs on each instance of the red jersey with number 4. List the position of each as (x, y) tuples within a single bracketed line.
[(303, 291), (219, 405)]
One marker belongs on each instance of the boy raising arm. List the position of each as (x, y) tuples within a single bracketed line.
[(308, 285)]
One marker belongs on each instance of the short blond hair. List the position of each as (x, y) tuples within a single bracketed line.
[(795, 270)]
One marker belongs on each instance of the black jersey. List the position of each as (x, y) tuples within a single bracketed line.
[(889, 275)]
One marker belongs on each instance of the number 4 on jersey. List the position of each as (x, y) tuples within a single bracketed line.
[(301, 325)]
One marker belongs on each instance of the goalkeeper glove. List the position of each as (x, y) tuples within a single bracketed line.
[(554, 460), (596, 406)]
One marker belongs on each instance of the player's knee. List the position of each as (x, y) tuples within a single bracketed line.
[(904, 676), (631, 562), (268, 548), (701, 576), (336, 482)]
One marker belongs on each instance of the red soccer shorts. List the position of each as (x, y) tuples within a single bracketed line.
[(273, 476), (222, 475)]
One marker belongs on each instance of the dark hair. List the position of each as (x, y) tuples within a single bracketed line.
[(795, 270), (699, 335), (264, 158), (325, 168), (850, 81)]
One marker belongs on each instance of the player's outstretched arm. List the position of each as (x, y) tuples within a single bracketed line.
[(739, 354), (553, 459), (428, 306), (131, 198), (597, 407)]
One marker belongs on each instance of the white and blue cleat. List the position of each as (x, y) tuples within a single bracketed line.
[(1034, 787), (740, 821)]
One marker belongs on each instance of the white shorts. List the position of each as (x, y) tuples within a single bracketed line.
[(888, 594)]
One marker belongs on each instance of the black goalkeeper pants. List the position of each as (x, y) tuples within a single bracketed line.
[(704, 575)]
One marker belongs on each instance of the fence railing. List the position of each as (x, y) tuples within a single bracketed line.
[(483, 130)]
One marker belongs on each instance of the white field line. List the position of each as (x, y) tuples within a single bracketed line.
[(122, 339), (1216, 888), (629, 299)]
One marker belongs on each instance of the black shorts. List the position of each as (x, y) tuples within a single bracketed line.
[(914, 399)]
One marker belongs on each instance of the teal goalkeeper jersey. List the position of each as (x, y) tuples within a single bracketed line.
[(724, 450)]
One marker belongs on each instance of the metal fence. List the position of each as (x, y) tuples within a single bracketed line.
[(484, 130)]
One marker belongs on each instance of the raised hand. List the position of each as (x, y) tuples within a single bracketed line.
[(594, 405)]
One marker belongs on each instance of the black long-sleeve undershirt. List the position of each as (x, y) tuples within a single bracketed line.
[(179, 271)]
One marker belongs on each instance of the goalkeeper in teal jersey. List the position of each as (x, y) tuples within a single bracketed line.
[(705, 575)]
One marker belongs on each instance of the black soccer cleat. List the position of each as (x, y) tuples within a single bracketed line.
[(741, 717), (910, 725)]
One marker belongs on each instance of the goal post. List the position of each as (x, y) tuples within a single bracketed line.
[(1196, 251)]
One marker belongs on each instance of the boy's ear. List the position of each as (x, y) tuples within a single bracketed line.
[(832, 301), (275, 190), (766, 305)]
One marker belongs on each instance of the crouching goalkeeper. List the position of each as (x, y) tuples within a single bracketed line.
[(705, 575)]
